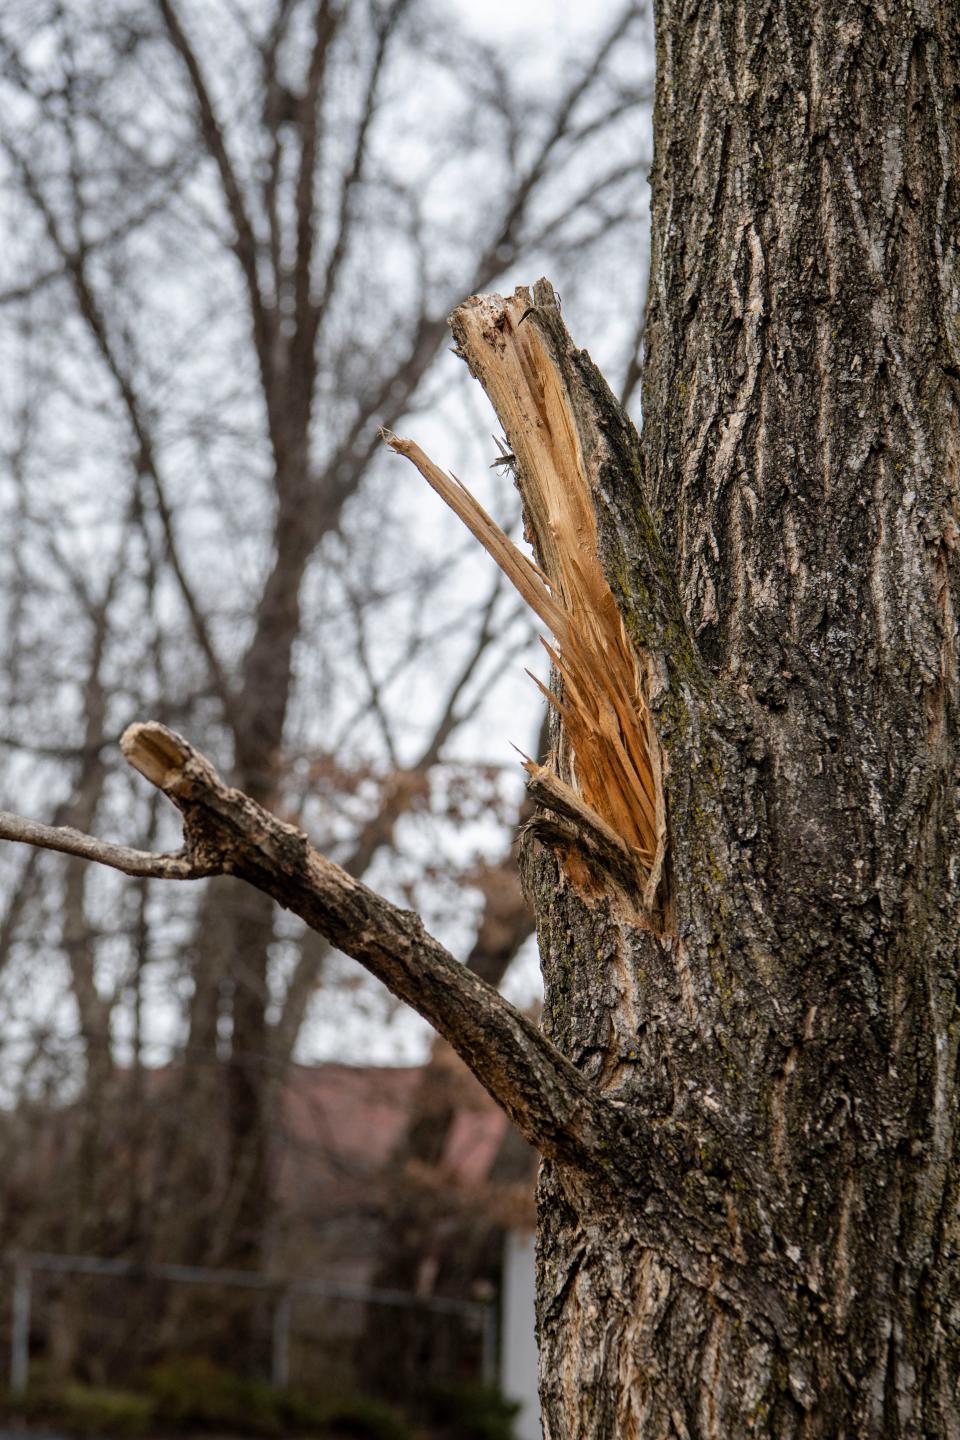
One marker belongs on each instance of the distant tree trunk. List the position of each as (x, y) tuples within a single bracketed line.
[(795, 1020)]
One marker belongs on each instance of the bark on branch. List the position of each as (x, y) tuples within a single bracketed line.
[(67, 841), (576, 825), (542, 1091)]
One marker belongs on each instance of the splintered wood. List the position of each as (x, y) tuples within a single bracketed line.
[(605, 718)]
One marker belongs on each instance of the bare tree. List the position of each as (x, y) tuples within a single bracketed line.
[(238, 232)]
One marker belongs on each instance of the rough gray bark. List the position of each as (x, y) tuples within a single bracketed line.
[(795, 1022)]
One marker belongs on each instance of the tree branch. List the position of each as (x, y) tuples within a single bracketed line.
[(74, 261), (552, 1104), (378, 831), (325, 24), (245, 244), (584, 830), (224, 830), (352, 176), (63, 838)]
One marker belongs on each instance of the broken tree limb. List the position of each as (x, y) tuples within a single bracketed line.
[(584, 830), (568, 438), (226, 832), (546, 1096)]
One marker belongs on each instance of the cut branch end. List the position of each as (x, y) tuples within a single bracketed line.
[(159, 754)]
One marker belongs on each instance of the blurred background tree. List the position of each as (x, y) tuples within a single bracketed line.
[(234, 231)]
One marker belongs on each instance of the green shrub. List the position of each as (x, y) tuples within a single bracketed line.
[(356, 1418), (195, 1394), (192, 1395), (89, 1409), (472, 1412), (96, 1410)]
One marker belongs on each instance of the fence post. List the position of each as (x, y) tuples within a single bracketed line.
[(20, 1330), (491, 1335), (280, 1358)]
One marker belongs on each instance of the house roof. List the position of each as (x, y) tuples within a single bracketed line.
[(346, 1121)]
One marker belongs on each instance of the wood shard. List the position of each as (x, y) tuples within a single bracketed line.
[(605, 717)]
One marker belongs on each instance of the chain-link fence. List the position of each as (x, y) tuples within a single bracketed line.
[(310, 1327)]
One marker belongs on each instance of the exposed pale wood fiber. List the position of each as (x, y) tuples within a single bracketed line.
[(600, 694)]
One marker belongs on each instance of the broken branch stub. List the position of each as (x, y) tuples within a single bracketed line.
[(519, 349)]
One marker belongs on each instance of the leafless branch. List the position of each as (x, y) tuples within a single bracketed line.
[(75, 262), (326, 20), (394, 802), (66, 840), (634, 371), (354, 174), (227, 832), (245, 245)]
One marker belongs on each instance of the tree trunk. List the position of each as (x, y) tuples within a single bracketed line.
[(793, 1016)]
